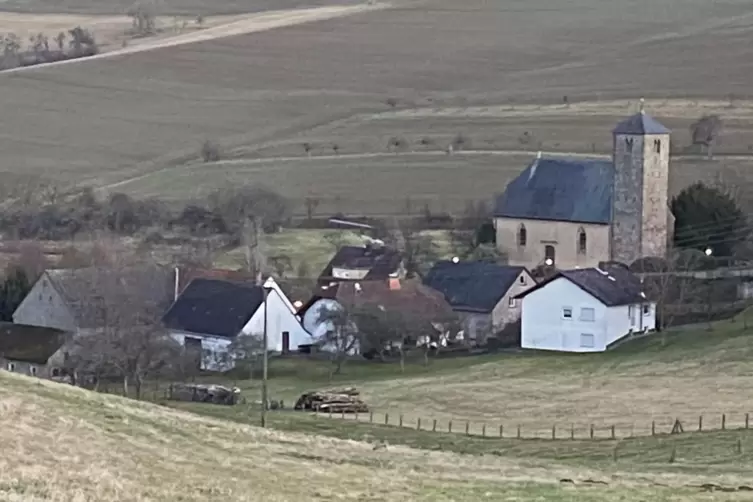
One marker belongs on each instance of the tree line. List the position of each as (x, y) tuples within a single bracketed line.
[(40, 48)]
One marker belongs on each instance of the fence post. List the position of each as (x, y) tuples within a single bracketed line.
[(518, 432), (592, 431), (434, 426), (401, 420), (330, 411), (501, 431), (386, 418), (355, 417), (700, 423), (613, 436), (449, 426), (572, 431), (653, 427), (418, 425), (371, 417), (739, 446), (724, 421), (342, 414), (467, 428), (554, 431), (747, 420)]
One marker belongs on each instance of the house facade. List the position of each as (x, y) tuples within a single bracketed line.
[(482, 294), (575, 212), (31, 350), (210, 314), (584, 310)]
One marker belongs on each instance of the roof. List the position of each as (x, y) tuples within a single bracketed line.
[(612, 287), (187, 274), (214, 307), (472, 285), (95, 294), (381, 261), (412, 297), (640, 123), (560, 189), (31, 344)]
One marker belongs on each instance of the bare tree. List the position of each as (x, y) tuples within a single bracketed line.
[(245, 352), (143, 14), (210, 151), (311, 204), (82, 42), (307, 148), (60, 41), (706, 132), (419, 250), (341, 337)]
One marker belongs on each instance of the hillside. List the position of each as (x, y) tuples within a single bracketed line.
[(70, 444)]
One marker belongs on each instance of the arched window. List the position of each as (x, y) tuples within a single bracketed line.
[(629, 143), (522, 236), (549, 253), (582, 241), (657, 145)]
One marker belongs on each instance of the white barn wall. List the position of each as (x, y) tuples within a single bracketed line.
[(212, 349), (279, 318), (543, 327)]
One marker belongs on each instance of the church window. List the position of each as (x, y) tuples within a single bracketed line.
[(629, 143), (582, 241), (549, 253), (522, 236), (657, 145)]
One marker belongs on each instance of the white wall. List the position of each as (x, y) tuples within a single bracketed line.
[(213, 348), (43, 306), (544, 326), (279, 319)]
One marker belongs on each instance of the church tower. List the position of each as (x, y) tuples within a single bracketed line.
[(640, 206)]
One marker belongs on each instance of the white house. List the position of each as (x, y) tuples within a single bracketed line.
[(210, 314), (584, 310)]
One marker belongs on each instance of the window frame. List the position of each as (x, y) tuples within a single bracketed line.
[(563, 313), (512, 302), (593, 341), (591, 310), (646, 309)]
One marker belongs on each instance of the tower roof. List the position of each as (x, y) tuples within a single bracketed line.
[(640, 123)]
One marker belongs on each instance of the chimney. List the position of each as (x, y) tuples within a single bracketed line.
[(394, 284)]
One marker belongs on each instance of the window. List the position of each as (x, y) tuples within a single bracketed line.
[(567, 312), (629, 143), (646, 309), (587, 314), (631, 316), (582, 241), (586, 340), (55, 372), (511, 302), (657, 145), (549, 253), (11, 367), (522, 236), (33, 370), (522, 279)]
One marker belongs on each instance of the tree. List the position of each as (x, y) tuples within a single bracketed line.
[(14, 289), (419, 249), (311, 204), (60, 40), (706, 131), (82, 42), (237, 205), (143, 15), (210, 151), (708, 218), (461, 142), (341, 337), (244, 352)]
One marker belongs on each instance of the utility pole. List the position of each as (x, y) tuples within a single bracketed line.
[(265, 362)]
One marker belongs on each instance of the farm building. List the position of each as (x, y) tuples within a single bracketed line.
[(31, 350), (358, 263), (482, 294), (584, 310), (577, 212), (210, 314)]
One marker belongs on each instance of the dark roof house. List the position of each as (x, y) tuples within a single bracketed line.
[(557, 189), (216, 307), (30, 344), (370, 262), (612, 287), (472, 286)]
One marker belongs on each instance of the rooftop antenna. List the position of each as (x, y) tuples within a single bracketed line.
[(643, 103)]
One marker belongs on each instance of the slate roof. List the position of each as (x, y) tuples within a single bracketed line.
[(640, 123), (472, 286), (214, 307), (560, 189), (31, 344), (95, 294), (381, 261), (612, 288)]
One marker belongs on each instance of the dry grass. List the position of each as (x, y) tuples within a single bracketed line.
[(71, 445)]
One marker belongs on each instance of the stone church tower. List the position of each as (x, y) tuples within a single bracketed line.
[(641, 218)]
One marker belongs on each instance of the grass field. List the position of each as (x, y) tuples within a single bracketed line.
[(111, 120), (70, 444)]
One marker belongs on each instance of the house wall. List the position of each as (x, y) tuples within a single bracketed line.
[(476, 326), (560, 234), (545, 328), (624, 319), (503, 312), (279, 319), (24, 368), (44, 306), (214, 349)]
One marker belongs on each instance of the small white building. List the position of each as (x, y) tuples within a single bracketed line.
[(585, 310), (210, 314)]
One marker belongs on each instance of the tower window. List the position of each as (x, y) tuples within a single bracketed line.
[(522, 236), (657, 145), (582, 241), (629, 143)]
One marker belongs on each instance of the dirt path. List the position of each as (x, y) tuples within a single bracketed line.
[(248, 24)]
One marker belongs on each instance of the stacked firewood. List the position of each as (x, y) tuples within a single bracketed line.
[(332, 400), (215, 394)]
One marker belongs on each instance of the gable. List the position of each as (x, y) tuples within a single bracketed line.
[(559, 291), (44, 306), (472, 286)]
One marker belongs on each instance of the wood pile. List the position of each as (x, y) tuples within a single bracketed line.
[(204, 393), (345, 400)]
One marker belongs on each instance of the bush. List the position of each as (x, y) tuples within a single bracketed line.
[(210, 151)]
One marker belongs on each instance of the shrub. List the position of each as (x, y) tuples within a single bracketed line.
[(210, 151)]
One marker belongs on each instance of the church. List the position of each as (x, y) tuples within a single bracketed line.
[(574, 213)]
